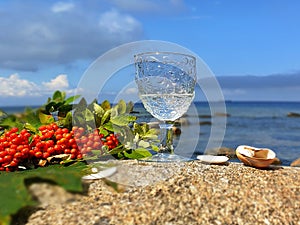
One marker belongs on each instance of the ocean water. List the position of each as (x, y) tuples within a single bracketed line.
[(259, 124), (16, 109)]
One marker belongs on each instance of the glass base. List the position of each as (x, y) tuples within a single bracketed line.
[(165, 157)]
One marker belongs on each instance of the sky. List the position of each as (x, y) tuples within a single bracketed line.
[(252, 47)]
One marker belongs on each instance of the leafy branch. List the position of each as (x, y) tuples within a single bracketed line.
[(134, 141)]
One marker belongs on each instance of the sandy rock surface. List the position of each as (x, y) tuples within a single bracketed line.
[(177, 193)]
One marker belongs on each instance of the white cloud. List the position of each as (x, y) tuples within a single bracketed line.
[(115, 22), (15, 86), (62, 7), (58, 83), (131, 90), (150, 6), (136, 5), (36, 36)]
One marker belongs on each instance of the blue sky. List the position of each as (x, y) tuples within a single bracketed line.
[(252, 47)]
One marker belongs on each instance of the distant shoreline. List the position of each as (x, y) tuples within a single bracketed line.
[(20, 108), (201, 102)]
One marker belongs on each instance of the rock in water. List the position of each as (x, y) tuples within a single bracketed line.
[(293, 114), (296, 163), (230, 152)]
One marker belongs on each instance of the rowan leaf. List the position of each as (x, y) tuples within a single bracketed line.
[(13, 186), (138, 153), (122, 120)]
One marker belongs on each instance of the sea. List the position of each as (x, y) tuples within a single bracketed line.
[(206, 127)]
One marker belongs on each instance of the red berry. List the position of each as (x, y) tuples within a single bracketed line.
[(65, 130), (46, 155), (18, 155), (38, 154), (74, 151), (7, 158), (50, 151), (43, 127), (13, 163), (14, 129)]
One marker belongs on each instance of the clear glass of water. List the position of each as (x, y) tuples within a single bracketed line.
[(166, 84)]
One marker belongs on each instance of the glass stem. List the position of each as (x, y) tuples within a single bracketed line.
[(166, 135)]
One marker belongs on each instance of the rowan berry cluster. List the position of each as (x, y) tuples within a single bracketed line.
[(17, 147), (94, 140)]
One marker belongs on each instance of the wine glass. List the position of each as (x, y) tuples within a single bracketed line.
[(166, 85)]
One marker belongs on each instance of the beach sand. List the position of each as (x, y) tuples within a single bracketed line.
[(177, 193)]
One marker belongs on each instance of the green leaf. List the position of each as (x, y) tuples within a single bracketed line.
[(116, 150), (45, 118), (11, 121), (129, 107), (58, 96), (31, 116), (65, 108), (105, 105), (137, 129), (138, 154), (127, 137), (155, 148), (51, 107), (96, 152), (67, 121), (89, 116), (114, 111), (151, 134), (63, 95), (103, 131), (14, 193), (122, 120), (71, 99), (106, 117), (121, 106), (145, 128), (98, 110), (143, 144), (109, 126), (3, 114), (31, 128), (81, 106)]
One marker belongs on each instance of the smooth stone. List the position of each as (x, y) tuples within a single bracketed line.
[(276, 161), (296, 163), (214, 159)]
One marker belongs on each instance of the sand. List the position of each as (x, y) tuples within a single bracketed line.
[(176, 193)]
